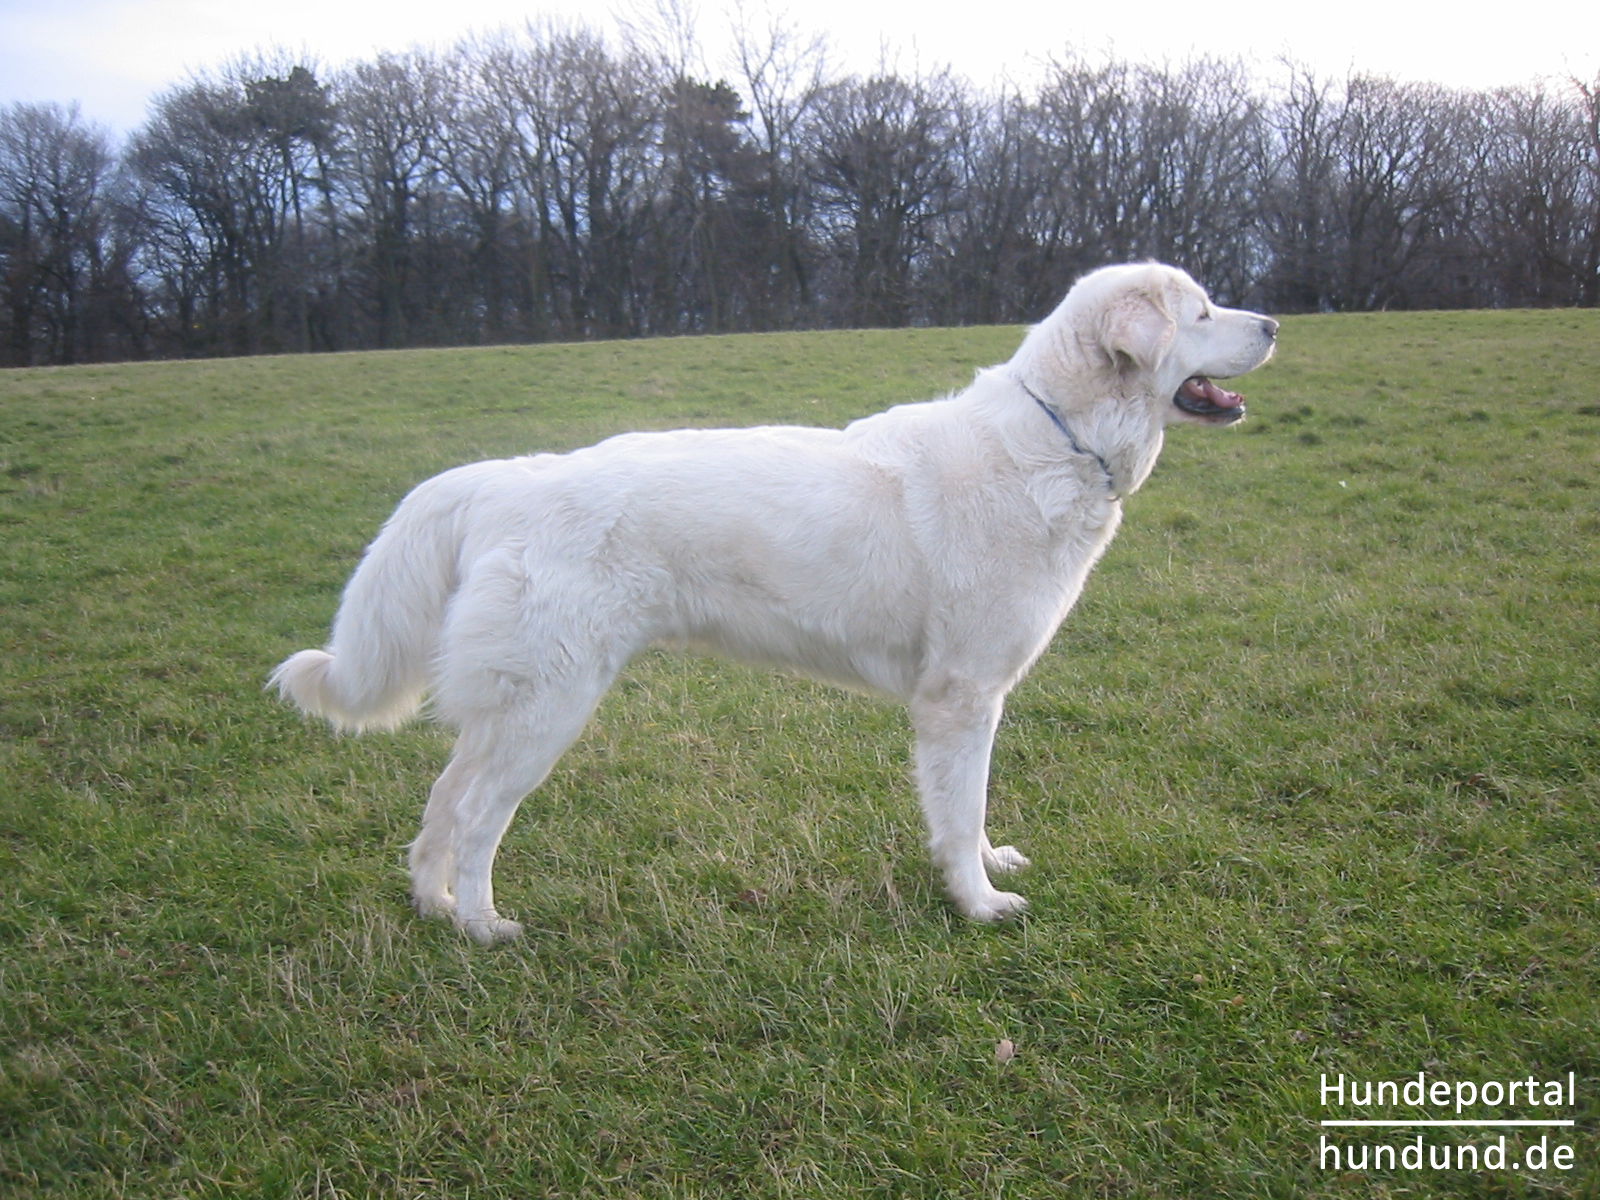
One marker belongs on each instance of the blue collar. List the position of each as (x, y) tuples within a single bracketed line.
[(1077, 446)]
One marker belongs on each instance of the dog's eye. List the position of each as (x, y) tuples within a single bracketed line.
[(1205, 315)]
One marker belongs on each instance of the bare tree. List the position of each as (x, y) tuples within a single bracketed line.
[(586, 126), (995, 261), (710, 226), (392, 111), (475, 151), (877, 150), (1397, 186), (1197, 126), (1589, 118), (1296, 175), (783, 72), (56, 261), (1542, 180), (1094, 209), (203, 199), (543, 182), (217, 177), (294, 114)]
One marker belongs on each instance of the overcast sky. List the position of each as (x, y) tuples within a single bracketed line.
[(113, 56)]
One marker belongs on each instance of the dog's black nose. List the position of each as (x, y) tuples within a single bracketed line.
[(1271, 327)]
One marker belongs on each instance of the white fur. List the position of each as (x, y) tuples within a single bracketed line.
[(927, 553)]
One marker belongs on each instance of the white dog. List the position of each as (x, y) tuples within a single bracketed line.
[(927, 553)]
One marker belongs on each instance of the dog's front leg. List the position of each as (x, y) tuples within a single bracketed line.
[(955, 724)]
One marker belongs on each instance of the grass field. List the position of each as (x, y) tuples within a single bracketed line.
[(1311, 782)]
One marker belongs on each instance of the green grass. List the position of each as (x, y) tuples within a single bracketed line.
[(1309, 780)]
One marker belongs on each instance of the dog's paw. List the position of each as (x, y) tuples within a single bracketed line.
[(1001, 859), (995, 906), (434, 905), (490, 929)]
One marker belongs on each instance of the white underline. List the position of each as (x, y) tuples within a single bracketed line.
[(1467, 1123)]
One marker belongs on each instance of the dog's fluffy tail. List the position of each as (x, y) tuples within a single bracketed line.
[(374, 671)]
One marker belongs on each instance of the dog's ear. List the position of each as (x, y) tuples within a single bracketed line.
[(1138, 329)]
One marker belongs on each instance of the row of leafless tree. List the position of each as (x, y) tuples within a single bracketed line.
[(547, 184)]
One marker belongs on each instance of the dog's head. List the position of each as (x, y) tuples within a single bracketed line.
[(1156, 324)]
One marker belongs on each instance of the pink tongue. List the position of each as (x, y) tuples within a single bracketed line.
[(1204, 389)]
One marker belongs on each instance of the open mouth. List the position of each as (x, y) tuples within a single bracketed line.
[(1200, 397)]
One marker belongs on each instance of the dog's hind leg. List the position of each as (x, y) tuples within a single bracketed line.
[(501, 766), (433, 853), (503, 757), (1002, 859), (525, 656), (955, 724)]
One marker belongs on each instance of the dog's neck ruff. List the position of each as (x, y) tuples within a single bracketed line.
[(1072, 440)]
